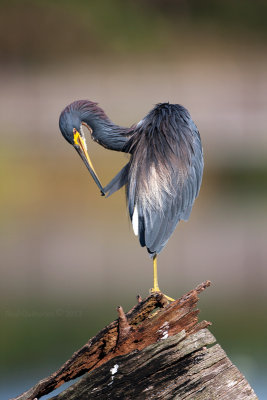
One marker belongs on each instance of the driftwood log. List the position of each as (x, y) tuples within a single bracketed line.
[(155, 351)]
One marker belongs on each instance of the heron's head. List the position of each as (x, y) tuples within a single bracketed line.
[(72, 126), (78, 114), (69, 122)]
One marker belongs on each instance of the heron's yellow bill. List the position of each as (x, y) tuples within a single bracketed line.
[(80, 146)]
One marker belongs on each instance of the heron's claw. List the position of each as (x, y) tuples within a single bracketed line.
[(157, 290)]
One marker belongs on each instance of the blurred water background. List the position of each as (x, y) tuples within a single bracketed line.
[(68, 257)]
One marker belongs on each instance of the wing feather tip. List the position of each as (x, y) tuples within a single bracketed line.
[(135, 219)]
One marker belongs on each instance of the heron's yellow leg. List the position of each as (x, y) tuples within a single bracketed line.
[(155, 267), (156, 283)]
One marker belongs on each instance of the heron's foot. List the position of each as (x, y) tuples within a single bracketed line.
[(157, 290)]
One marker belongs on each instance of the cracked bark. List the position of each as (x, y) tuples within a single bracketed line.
[(155, 351)]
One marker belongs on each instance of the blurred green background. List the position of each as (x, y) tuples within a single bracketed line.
[(69, 257)]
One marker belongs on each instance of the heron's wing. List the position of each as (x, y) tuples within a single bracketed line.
[(118, 181), (158, 225), (164, 178)]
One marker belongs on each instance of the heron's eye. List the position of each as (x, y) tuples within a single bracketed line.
[(74, 130)]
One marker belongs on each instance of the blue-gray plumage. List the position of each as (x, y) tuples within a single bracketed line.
[(164, 174)]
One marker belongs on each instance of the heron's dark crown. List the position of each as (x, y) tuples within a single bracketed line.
[(77, 112), (104, 131)]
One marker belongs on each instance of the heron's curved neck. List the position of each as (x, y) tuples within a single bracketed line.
[(109, 135)]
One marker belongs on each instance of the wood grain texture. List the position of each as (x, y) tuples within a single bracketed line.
[(179, 367), (155, 351)]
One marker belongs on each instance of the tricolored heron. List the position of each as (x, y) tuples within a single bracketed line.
[(164, 174)]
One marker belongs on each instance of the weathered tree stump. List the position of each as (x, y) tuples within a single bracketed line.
[(155, 351)]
